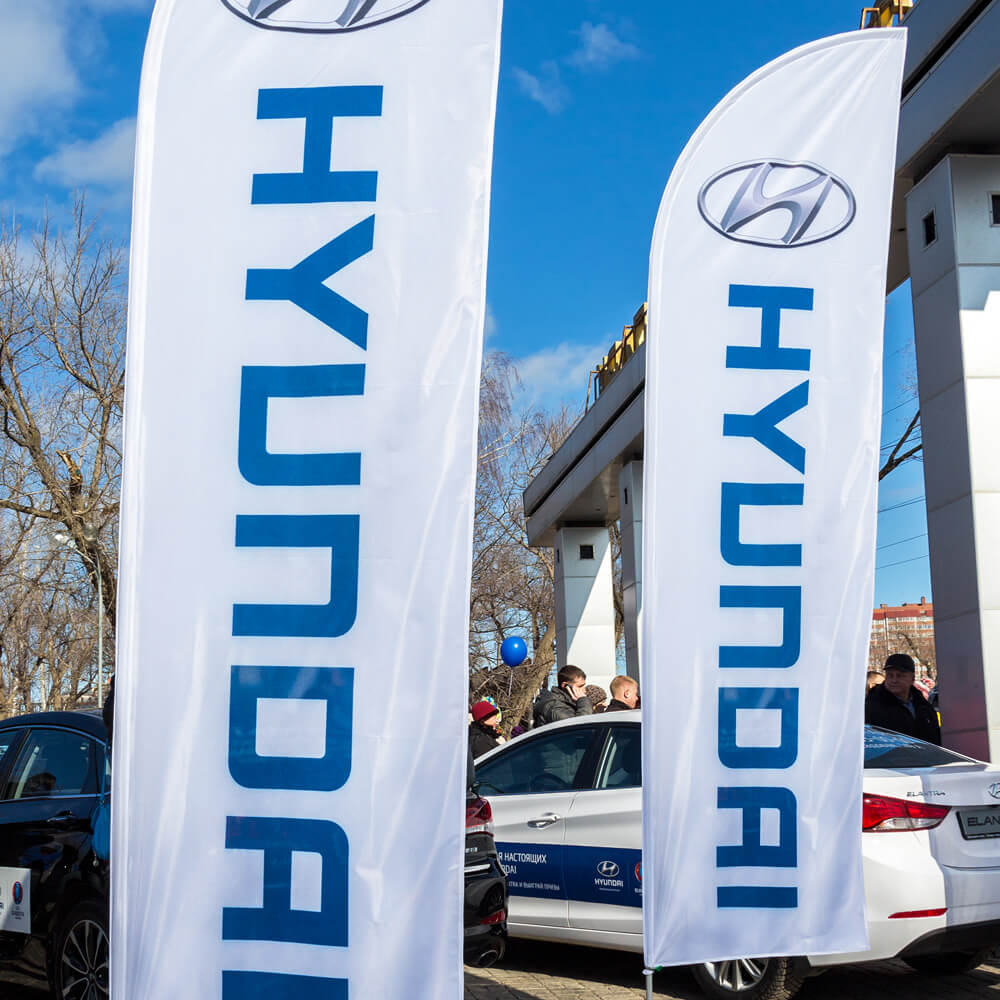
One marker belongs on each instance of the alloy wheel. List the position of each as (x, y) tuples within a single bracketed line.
[(84, 962), (739, 974)]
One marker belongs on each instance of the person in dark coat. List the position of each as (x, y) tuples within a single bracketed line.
[(484, 734), (897, 705), (598, 697), (108, 711), (624, 694), (565, 701)]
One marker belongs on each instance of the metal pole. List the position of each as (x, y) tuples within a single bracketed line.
[(100, 634), (648, 973)]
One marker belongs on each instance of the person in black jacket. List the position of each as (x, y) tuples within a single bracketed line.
[(484, 733), (624, 694), (897, 705), (108, 711), (565, 701)]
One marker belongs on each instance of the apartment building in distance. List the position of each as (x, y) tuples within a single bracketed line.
[(906, 628)]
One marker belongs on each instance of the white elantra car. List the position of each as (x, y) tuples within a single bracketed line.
[(566, 804)]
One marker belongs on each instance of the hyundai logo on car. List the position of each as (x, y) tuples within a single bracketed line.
[(776, 203), (323, 16), (608, 869), (994, 789)]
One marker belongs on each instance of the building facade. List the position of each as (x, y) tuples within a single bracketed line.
[(906, 628)]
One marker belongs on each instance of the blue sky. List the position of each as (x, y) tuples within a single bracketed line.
[(597, 99)]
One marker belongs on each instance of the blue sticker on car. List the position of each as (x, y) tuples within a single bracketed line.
[(603, 875), (584, 874), (533, 869)]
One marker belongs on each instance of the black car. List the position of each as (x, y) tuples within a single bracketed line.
[(54, 853), (485, 915), (55, 781)]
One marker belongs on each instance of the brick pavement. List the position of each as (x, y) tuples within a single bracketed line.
[(535, 971)]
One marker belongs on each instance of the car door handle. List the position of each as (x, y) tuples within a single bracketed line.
[(546, 819), (63, 817)]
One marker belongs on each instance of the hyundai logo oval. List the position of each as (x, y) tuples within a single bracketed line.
[(608, 869), (323, 16), (994, 789), (776, 203)]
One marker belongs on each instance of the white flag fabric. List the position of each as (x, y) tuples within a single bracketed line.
[(305, 338), (763, 401)]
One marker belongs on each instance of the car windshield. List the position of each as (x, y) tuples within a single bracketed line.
[(894, 750)]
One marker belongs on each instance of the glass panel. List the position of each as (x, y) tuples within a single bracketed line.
[(622, 763), (544, 764), (8, 738), (887, 749), (54, 762)]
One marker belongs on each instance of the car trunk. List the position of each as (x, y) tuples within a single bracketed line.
[(969, 836)]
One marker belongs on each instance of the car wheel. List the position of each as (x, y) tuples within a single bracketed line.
[(747, 979), (80, 963), (948, 963)]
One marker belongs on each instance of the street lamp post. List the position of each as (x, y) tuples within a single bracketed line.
[(90, 534)]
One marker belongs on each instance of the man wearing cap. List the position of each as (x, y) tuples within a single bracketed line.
[(483, 730), (897, 705)]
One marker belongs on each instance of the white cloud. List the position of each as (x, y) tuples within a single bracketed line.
[(490, 326), (37, 76), (104, 162), (600, 48), (546, 89), (557, 374)]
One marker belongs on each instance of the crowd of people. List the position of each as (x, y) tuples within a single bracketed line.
[(893, 701), (571, 696)]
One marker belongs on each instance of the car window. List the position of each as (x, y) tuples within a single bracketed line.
[(621, 762), (548, 763), (888, 749), (54, 762), (8, 738)]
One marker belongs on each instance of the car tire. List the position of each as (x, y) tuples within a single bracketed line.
[(748, 979), (80, 957), (948, 963)]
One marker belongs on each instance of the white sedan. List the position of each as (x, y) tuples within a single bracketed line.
[(566, 802)]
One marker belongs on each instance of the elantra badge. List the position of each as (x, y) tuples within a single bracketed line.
[(322, 16), (776, 203)]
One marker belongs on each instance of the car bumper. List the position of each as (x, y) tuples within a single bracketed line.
[(902, 876), (485, 915)]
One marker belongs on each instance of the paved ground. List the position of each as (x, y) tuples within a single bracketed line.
[(533, 971)]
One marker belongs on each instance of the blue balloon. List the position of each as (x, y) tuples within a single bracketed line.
[(513, 651)]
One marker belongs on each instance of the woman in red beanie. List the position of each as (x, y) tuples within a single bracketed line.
[(484, 729)]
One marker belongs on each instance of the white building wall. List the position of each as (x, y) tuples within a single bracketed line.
[(585, 613), (955, 283), (630, 508)]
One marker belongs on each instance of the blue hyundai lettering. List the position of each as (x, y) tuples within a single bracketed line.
[(759, 590), (305, 286)]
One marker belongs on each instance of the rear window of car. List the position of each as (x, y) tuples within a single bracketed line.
[(895, 750)]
